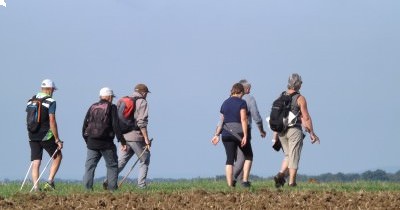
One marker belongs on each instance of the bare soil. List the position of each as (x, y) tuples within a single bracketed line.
[(200, 199)]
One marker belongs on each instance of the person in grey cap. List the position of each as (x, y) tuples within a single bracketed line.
[(292, 138), (254, 114), (46, 136), (100, 126), (137, 140)]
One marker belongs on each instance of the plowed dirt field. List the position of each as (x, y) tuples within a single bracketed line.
[(200, 199)]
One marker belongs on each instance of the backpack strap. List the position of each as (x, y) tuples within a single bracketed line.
[(33, 98), (137, 97), (40, 101), (294, 93), (293, 103), (294, 96), (134, 99), (44, 98)]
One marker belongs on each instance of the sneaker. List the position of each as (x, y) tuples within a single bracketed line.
[(279, 180), (49, 186), (105, 185), (246, 184), (293, 184)]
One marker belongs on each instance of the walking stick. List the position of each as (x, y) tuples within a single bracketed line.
[(44, 169), (130, 170), (26, 176)]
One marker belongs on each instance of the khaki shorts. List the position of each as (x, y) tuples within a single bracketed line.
[(292, 144)]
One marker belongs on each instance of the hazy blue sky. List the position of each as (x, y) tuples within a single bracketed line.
[(190, 53)]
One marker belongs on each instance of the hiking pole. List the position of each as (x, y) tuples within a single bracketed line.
[(26, 176), (48, 162), (130, 170)]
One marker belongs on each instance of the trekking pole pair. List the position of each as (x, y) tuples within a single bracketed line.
[(48, 162), (130, 170)]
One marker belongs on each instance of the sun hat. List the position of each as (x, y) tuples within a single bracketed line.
[(142, 88), (47, 83), (106, 91)]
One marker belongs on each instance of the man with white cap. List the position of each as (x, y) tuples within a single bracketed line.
[(99, 129), (46, 136)]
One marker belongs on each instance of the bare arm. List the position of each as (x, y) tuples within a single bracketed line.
[(145, 135), (218, 131), (243, 118), (306, 118), (54, 130)]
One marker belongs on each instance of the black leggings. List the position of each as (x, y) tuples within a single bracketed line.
[(231, 144)]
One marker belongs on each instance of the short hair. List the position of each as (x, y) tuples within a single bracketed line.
[(237, 88), (245, 83), (294, 82)]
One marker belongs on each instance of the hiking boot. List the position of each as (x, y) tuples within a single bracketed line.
[(234, 183), (279, 180), (246, 184), (105, 185), (49, 186), (293, 184)]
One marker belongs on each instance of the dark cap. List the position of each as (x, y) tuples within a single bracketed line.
[(142, 88)]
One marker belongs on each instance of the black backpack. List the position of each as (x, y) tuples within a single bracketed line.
[(280, 111), (34, 113), (99, 120)]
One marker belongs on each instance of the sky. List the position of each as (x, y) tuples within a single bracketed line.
[(190, 53)]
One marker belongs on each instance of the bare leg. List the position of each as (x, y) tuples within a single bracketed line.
[(280, 177), (54, 166), (229, 174), (246, 170), (284, 166), (35, 171), (292, 175)]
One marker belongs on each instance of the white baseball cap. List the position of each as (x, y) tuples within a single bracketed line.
[(47, 83), (106, 91)]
